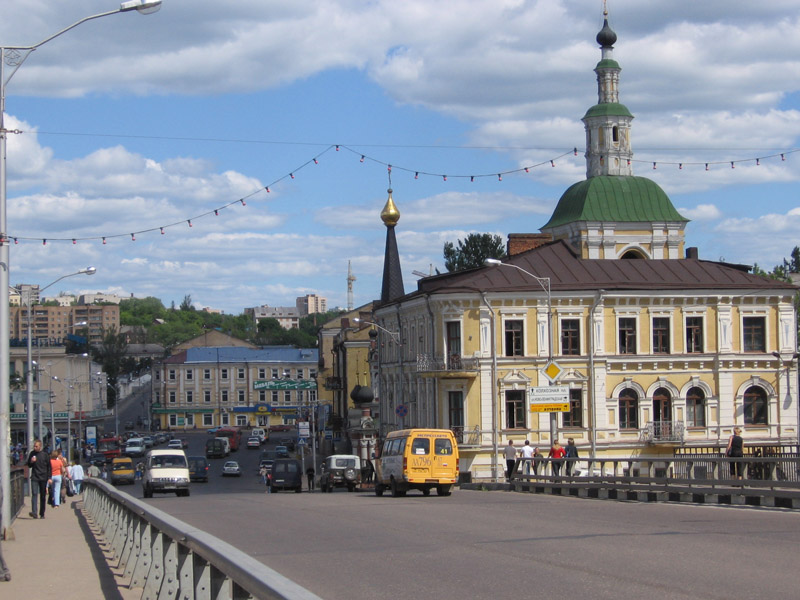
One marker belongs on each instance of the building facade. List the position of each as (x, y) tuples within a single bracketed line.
[(51, 325), (203, 387), (654, 350), (310, 304)]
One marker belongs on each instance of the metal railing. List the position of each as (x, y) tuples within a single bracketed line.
[(663, 431), (767, 472), (168, 558), (427, 363)]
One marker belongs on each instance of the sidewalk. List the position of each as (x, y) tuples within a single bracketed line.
[(58, 557)]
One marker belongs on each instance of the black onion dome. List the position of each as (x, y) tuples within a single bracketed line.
[(606, 38), (361, 394)]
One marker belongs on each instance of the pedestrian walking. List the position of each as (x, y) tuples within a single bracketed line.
[(93, 471), (77, 475), (571, 455), (368, 471), (537, 460), (510, 454), (41, 473), (557, 453), (58, 473), (310, 477)]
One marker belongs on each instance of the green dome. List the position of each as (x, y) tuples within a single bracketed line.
[(605, 109), (607, 198)]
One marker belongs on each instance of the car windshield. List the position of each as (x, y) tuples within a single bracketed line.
[(121, 466), (167, 461), (343, 463), (231, 465)]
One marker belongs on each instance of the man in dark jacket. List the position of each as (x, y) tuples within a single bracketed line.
[(41, 476)]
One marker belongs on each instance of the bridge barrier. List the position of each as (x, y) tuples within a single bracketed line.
[(168, 558), (767, 481)]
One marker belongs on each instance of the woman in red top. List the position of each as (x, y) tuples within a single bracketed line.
[(557, 453)]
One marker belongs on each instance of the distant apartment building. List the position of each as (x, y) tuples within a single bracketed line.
[(310, 304), (50, 325), (287, 316), (99, 298)]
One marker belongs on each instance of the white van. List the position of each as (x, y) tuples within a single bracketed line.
[(227, 443), (260, 433), (135, 447), (166, 471)]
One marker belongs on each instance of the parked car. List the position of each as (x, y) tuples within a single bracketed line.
[(213, 429), (166, 471), (176, 443), (122, 470), (340, 470), (282, 427), (231, 467), (281, 452), (286, 475), (198, 468), (253, 442)]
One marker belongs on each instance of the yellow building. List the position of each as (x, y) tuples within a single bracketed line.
[(651, 349)]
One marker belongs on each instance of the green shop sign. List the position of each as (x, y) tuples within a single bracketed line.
[(285, 384)]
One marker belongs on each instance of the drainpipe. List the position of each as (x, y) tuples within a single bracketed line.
[(435, 403), (400, 354), (495, 448), (592, 419)]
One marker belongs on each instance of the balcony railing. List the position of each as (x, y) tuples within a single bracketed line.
[(663, 431), (467, 437), (333, 383), (427, 363)]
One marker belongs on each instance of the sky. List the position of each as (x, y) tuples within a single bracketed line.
[(183, 119)]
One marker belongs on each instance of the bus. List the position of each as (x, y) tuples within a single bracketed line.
[(109, 447), (234, 435)]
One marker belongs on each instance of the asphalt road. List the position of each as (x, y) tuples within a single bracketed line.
[(494, 544)]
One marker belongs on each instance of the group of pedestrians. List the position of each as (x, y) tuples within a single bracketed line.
[(52, 479), (532, 458)]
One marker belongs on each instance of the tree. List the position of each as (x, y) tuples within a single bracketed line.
[(110, 354), (472, 251)]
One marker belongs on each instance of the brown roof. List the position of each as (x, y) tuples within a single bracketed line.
[(569, 272)]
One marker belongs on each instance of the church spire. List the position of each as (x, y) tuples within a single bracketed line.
[(392, 287), (608, 123)]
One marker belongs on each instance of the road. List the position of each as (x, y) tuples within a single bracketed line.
[(493, 544)]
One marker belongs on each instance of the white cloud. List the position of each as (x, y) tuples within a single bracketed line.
[(701, 212)]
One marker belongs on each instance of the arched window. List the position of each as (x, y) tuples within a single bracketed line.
[(662, 405), (695, 408), (755, 406), (628, 409), (629, 254), (615, 134)]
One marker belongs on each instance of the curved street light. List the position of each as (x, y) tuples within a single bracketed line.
[(13, 57)]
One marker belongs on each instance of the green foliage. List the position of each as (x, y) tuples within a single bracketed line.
[(111, 354), (472, 251)]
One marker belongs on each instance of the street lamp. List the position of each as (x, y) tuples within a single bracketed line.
[(544, 282), (14, 56), (29, 384), (393, 334)]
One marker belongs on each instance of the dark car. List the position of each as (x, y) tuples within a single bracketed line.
[(288, 442), (215, 448), (286, 475), (198, 468), (281, 452)]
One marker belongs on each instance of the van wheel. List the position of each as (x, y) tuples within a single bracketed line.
[(351, 487), (444, 490), (147, 493), (378, 490), (395, 491), (426, 491)]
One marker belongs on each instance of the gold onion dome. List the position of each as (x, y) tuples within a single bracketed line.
[(390, 215)]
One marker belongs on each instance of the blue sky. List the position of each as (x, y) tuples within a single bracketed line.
[(132, 122)]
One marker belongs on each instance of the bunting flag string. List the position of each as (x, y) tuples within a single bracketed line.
[(363, 157)]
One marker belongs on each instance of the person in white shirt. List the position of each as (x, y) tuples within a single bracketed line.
[(527, 456), (76, 474)]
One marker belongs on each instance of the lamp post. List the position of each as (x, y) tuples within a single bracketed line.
[(29, 384), (14, 56), (544, 282)]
